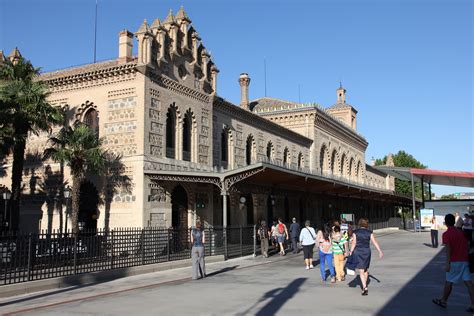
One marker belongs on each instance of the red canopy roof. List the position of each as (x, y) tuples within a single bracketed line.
[(441, 177)]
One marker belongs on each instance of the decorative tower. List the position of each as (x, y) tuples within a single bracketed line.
[(342, 110), (171, 25), (183, 21), (160, 35), (144, 43), (15, 55), (341, 94), (244, 81), (214, 72)]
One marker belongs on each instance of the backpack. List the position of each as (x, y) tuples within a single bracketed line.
[(281, 229)]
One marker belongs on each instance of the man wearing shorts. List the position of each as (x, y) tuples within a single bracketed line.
[(457, 263)]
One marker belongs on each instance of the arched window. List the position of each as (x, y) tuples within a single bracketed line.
[(249, 150), (91, 119), (286, 156), (224, 145), (359, 171), (270, 151), (323, 159), (343, 168), (351, 168), (171, 133), (334, 162), (300, 160), (187, 128)]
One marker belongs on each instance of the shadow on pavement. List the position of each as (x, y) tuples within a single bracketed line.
[(279, 296), (227, 269), (356, 281), (415, 297), (73, 282)]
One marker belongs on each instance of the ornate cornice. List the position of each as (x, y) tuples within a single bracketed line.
[(329, 124), (178, 88), (85, 76), (255, 120)]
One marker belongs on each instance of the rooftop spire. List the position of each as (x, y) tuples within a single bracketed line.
[(14, 55), (182, 16), (170, 18), (156, 24), (144, 27)]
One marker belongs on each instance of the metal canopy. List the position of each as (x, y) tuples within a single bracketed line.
[(440, 177)]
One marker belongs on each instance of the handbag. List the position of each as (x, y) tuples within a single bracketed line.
[(351, 265)]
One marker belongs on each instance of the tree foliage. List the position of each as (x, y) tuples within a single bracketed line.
[(24, 109), (81, 150), (404, 159)]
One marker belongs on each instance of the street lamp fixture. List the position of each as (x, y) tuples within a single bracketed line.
[(67, 195), (6, 196)]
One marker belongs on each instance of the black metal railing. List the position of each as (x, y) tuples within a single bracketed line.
[(28, 257)]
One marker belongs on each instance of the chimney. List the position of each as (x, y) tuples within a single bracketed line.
[(244, 81), (125, 46)]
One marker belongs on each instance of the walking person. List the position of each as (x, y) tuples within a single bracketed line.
[(264, 235), (323, 239), (273, 234), (360, 250), (467, 228), (434, 232), (294, 234), (282, 234), (457, 263), (458, 221), (197, 251), (307, 238), (340, 250)]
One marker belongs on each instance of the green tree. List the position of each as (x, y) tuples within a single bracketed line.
[(81, 150), (404, 159), (24, 109), (448, 197)]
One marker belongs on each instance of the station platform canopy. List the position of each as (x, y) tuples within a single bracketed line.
[(430, 176)]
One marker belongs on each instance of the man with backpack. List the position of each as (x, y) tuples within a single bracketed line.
[(282, 234)]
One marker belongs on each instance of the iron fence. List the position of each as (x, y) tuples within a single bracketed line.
[(28, 257)]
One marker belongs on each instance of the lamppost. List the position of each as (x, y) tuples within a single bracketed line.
[(6, 196), (67, 196)]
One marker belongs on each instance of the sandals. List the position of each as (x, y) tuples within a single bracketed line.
[(365, 292), (439, 302)]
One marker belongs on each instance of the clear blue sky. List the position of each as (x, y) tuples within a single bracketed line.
[(407, 65)]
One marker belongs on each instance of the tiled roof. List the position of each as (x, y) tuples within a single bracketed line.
[(80, 69), (270, 104), (341, 106)]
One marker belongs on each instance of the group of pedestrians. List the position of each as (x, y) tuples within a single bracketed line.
[(279, 236), (335, 244)]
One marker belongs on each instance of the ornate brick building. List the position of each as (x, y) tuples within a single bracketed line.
[(191, 154)]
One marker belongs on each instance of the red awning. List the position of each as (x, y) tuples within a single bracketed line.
[(440, 177)]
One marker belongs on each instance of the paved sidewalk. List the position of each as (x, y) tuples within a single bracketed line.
[(403, 283)]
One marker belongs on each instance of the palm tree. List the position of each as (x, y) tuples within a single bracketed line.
[(81, 150), (24, 110)]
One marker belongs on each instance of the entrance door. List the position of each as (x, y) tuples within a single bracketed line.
[(270, 210), (179, 208), (88, 211)]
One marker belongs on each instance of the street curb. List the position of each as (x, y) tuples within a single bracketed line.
[(388, 229), (95, 277)]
